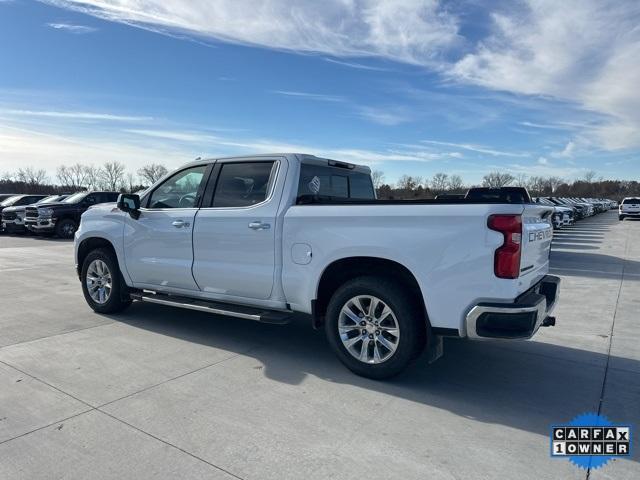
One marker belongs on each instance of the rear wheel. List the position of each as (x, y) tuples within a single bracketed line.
[(102, 284), (375, 328), (66, 228), (620, 217)]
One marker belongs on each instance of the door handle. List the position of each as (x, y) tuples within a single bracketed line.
[(180, 223), (259, 226)]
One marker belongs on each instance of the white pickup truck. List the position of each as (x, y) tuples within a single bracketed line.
[(262, 237)]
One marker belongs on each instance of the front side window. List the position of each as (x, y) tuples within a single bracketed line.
[(180, 190), (243, 184)]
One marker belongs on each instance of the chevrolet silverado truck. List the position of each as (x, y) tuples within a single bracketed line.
[(62, 218), (263, 237)]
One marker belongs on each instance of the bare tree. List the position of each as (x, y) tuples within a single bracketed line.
[(407, 182), (63, 175), (554, 183), (93, 179), (536, 185), (440, 182), (497, 179), (522, 180), (590, 176), (378, 178), (455, 183), (32, 176), (112, 175), (131, 182), (153, 172)]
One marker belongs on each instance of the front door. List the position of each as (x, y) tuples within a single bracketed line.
[(234, 238), (158, 245)]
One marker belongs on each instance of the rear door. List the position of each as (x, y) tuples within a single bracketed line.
[(537, 234), (158, 244), (234, 237)]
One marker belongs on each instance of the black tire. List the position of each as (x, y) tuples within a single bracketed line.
[(408, 314), (66, 228), (620, 217), (118, 298)]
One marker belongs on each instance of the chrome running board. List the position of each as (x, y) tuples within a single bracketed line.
[(277, 317)]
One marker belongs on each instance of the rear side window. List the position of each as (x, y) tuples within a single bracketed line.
[(630, 201), (243, 184), (320, 180)]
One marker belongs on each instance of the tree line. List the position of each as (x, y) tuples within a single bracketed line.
[(113, 176), (589, 186)]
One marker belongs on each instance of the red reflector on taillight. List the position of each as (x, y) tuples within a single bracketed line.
[(506, 262)]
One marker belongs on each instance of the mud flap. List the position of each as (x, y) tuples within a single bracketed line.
[(436, 348)]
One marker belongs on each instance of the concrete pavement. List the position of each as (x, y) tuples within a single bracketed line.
[(165, 393)]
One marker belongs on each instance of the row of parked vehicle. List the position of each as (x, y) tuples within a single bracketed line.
[(57, 215), (569, 210), (566, 211)]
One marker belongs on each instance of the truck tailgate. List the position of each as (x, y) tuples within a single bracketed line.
[(537, 233)]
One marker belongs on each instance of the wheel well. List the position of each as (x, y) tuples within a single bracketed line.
[(341, 271), (91, 244)]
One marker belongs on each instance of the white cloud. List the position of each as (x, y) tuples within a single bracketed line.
[(311, 96), (179, 136), (359, 66), (384, 116), (566, 152), (543, 161), (584, 51), (71, 28), (581, 51), (478, 149), (22, 147), (76, 115), (411, 31)]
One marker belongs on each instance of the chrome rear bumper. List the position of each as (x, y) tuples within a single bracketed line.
[(518, 320)]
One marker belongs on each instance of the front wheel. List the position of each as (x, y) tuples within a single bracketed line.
[(102, 284), (375, 328), (620, 217), (66, 228)]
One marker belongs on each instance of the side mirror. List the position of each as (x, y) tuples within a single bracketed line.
[(130, 203)]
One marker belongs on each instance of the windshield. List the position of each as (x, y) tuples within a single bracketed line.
[(75, 198), (629, 201), (10, 201), (49, 199)]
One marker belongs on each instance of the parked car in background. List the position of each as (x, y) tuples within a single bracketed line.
[(4, 196), (562, 215), (629, 207), (450, 196), (502, 194), (17, 201), (13, 217), (263, 237), (62, 218)]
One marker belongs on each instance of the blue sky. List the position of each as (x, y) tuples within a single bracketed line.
[(410, 86)]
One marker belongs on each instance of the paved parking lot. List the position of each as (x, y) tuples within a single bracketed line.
[(167, 393)]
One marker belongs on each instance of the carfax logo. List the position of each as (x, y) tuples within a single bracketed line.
[(590, 440)]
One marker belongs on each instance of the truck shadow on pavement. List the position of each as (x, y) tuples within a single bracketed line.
[(525, 385)]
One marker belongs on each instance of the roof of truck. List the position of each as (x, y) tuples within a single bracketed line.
[(305, 157)]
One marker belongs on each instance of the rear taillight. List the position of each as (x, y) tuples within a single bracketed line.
[(506, 262)]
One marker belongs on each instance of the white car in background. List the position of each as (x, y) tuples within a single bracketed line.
[(629, 207)]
